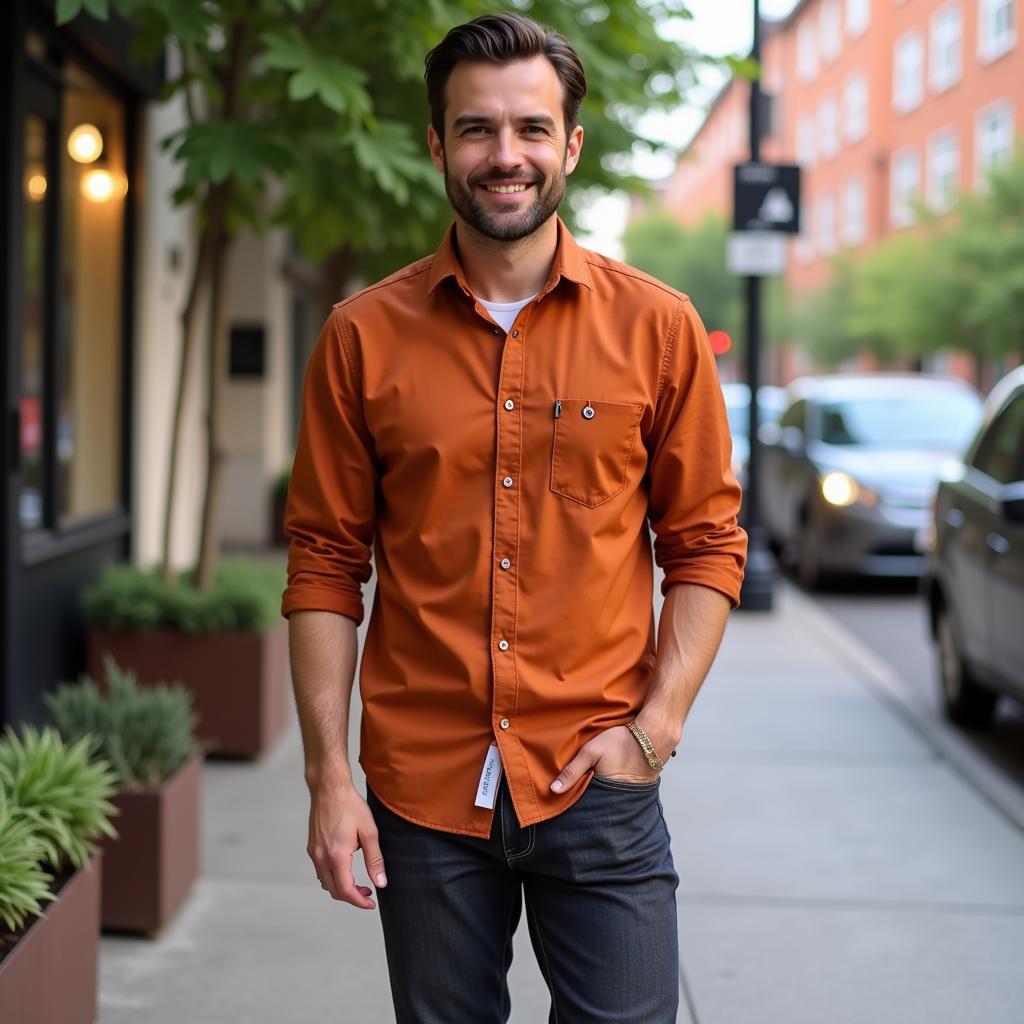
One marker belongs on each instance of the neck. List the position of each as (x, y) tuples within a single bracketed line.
[(507, 271)]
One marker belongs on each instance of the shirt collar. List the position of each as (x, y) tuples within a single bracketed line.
[(570, 262)]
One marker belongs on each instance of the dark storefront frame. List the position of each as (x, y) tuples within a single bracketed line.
[(42, 632)]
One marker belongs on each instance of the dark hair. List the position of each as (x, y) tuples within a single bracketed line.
[(501, 39)]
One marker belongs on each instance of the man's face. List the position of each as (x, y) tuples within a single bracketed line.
[(505, 156)]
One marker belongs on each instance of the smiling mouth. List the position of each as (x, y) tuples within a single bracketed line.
[(505, 190)]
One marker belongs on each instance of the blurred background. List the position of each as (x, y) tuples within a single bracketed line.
[(188, 187)]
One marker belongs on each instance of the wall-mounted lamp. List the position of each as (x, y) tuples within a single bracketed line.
[(35, 187), (85, 143), (98, 185)]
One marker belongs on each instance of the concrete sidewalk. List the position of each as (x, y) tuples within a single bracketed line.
[(835, 869)]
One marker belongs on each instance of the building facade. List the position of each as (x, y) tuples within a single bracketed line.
[(882, 103)]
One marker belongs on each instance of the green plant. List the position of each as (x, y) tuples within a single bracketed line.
[(24, 885), (246, 598), (146, 733), (59, 791)]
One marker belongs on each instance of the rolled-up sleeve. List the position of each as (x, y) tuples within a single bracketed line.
[(329, 515), (694, 495)]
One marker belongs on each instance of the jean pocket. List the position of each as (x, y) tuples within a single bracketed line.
[(605, 782), (591, 448)]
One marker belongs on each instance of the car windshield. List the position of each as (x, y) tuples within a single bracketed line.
[(739, 414), (945, 420)]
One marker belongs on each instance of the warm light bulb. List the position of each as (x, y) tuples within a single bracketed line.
[(85, 143), (98, 186), (36, 187)]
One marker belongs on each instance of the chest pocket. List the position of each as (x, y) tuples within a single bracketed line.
[(591, 447)]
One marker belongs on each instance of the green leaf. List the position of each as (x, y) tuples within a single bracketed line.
[(67, 10)]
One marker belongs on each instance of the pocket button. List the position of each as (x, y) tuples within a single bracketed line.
[(588, 412)]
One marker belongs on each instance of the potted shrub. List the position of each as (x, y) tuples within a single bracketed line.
[(54, 807), (227, 646), (147, 736), (278, 499)]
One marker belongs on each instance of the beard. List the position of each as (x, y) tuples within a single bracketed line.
[(505, 226)]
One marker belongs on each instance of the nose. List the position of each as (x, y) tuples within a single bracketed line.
[(505, 153)]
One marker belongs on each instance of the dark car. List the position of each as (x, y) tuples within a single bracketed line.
[(851, 468), (974, 583)]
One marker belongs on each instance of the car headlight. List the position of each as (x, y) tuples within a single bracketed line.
[(841, 490)]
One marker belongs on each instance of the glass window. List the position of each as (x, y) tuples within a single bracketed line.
[(826, 224), (908, 72), (994, 143), (943, 169), (858, 14), (89, 332), (828, 126), (944, 421), (806, 52), (1000, 454), (37, 200), (854, 211), (996, 28), (906, 186), (829, 31), (805, 140), (946, 33), (855, 103)]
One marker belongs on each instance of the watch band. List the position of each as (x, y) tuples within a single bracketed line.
[(646, 746)]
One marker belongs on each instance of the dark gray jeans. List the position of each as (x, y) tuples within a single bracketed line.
[(599, 885)]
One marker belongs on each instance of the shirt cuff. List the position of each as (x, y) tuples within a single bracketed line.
[(307, 598)]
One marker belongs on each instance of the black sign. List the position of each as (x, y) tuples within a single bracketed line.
[(766, 197)]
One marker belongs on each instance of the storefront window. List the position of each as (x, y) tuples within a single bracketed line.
[(33, 310), (88, 341)]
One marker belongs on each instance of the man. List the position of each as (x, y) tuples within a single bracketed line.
[(499, 421)]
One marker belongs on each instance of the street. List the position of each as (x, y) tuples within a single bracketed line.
[(889, 618)]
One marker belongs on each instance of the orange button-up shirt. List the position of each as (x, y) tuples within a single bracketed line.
[(505, 484)]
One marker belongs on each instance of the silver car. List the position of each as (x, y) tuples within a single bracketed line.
[(851, 468)]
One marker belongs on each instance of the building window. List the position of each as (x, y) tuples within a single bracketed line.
[(806, 52), (943, 169), (826, 224), (906, 187), (946, 34), (830, 31), (994, 144), (997, 32), (908, 72), (855, 108), (805, 140), (854, 211), (828, 127), (858, 14)]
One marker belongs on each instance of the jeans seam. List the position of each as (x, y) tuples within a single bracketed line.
[(547, 967), (529, 846)]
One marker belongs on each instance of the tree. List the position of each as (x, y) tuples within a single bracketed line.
[(325, 99), (692, 260)]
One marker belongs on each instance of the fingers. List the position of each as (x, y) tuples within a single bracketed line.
[(575, 769), (372, 857)]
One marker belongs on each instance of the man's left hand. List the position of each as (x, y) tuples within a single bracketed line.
[(613, 754)]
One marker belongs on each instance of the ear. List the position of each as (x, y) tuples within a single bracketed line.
[(572, 149), (436, 147)]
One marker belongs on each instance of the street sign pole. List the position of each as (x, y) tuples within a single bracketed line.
[(757, 593)]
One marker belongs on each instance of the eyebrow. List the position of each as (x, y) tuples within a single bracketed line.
[(464, 120)]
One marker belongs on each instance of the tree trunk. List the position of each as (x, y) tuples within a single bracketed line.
[(185, 360), (217, 358)]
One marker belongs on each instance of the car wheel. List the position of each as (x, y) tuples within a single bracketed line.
[(963, 700), (809, 542)]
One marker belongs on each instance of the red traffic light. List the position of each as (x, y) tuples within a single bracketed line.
[(720, 342)]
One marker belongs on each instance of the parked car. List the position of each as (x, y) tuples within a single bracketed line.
[(851, 467), (974, 582), (771, 402)]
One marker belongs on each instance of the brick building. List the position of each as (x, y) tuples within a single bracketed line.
[(881, 102)]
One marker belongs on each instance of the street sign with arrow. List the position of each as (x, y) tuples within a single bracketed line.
[(766, 197)]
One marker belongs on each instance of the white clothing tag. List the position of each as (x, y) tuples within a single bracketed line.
[(489, 778)]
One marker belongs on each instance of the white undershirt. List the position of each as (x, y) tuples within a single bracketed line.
[(505, 313)]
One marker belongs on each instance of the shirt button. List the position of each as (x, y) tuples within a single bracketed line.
[(515, 334), (507, 481), (505, 563), (509, 404), (496, 330), (503, 644), (504, 723)]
